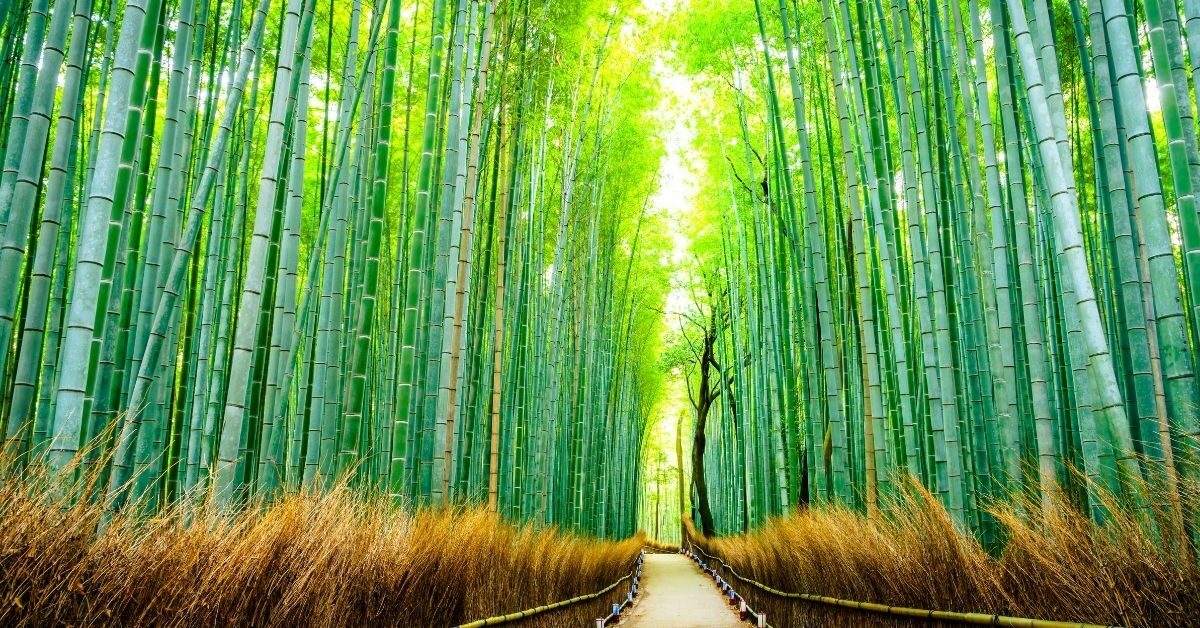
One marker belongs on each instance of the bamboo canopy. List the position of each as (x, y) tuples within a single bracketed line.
[(254, 248), (239, 262), (969, 261)]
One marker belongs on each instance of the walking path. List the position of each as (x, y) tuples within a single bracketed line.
[(675, 594)]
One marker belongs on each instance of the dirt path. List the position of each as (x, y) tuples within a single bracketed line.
[(675, 594)]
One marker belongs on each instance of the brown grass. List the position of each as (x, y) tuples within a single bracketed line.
[(655, 547), (310, 560), (1061, 567)]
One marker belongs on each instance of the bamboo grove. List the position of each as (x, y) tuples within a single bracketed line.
[(971, 259), (262, 246)]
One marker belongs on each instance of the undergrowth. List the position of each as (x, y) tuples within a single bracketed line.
[(1056, 565), (336, 559)]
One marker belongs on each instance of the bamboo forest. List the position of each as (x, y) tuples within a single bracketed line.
[(600, 312)]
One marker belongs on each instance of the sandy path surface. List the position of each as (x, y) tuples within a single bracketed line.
[(676, 594)]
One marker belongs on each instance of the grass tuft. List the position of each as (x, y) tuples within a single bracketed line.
[(334, 559), (1057, 566)]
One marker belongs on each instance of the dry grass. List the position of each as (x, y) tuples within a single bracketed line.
[(331, 560), (655, 547), (1061, 567)]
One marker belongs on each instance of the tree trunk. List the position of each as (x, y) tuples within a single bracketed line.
[(708, 394), (679, 466)]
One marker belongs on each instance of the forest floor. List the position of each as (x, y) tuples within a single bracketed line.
[(677, 595)]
